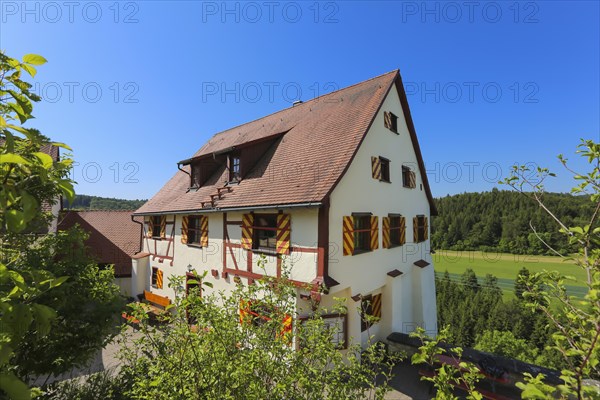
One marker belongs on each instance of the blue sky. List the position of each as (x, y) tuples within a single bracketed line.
[(135, 86)]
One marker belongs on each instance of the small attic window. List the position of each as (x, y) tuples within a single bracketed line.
[(195, 176), (390, 121), (235, 171)]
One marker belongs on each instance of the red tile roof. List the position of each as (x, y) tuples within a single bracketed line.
[(114, 238), (304, 165)]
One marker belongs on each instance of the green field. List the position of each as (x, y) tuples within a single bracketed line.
[(505, 267)]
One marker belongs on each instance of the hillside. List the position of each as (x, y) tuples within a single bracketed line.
[(499, 221), (85, 202)]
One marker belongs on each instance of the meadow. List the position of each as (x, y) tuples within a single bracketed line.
[(506, 267)]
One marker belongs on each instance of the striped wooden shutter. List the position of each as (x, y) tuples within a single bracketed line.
[(385, 233), (203, 231), (184, 229), (163, 226), (283, 233), (376, 167), (348, 235), (376, 305), (387, 119), (402, 230), (425, 229), (415, 229), (374, 233), (150, 227), (247, 231), (412, 179), (159, 279)]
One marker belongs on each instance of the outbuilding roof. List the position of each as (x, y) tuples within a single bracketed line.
[(313, 143)]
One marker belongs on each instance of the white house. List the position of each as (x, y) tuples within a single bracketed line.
[(334, 188)]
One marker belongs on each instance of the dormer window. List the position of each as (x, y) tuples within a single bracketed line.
[(235, 172), (196, 176)]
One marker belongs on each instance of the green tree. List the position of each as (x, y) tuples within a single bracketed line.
[(230, 353), (504, 343), (521, 282)]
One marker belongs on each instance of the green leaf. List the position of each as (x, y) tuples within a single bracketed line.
[(58, 281), (14, 387), (10, 158), (2, 122), (46, 160), (59, 144), (30, 70), (67, 189), (15, 220), (43, 318), (34, 59)]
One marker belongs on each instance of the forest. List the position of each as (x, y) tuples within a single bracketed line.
[(85, 202), (502, 221)]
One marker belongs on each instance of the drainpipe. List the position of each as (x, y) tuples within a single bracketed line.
[(141, 232)]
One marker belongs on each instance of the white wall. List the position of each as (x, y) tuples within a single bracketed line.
[(359, 192)]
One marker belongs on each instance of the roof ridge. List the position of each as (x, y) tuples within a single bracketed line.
[(299, 105)]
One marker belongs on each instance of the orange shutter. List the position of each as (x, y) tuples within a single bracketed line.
[(184, 229), (150, 227), (374, 233), (163, 226), (348, 235), (159, 279), (283, 233), (425, 229), (402, 230), (387, 119), (376, 167), (247, 223), (203, 231), (415, 230), (412, 179), (385, 233), (376, 306)]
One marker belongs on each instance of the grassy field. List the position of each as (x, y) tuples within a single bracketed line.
[(505, 267)]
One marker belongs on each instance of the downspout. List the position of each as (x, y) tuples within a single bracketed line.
[(179, 168), (141, 232)]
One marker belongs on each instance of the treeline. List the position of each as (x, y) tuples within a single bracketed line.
[(478, 316), (500, 221), (85, 202)]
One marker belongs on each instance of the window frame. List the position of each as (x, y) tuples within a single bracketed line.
[(197, 232), (255, 232), (421, 228), (195, 176), (154, 278), (395, 230), (235, 168), (406, 174), (362, 231), (156, 227), (393, 122), (385, 170)]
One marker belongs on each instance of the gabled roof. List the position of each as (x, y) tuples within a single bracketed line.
[(314, 143), (114, 237)]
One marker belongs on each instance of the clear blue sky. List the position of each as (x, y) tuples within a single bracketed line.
[(135, 86)]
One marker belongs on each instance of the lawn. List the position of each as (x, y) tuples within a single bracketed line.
[(505, 266)]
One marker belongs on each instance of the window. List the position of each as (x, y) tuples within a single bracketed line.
[(420, 228), (385, 169), (194, 233), (396, 230), (362, 233), (408, 178), (196, 176), (390, 121), (380, 168), (157, 278), (234, 169), (156, 223), (265, 232)]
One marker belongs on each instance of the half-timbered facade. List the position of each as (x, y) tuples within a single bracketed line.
[(333, 189)]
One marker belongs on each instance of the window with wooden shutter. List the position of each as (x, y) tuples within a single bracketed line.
[(370, 308), (390, 121), (348, 235), (184, 229), (157, 278), (385, 232), (394, 231), (374, 233), (283, 233), (149, 227), (380, 169), (425, 228), (247, 231), (409, 178), (155, 229)]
